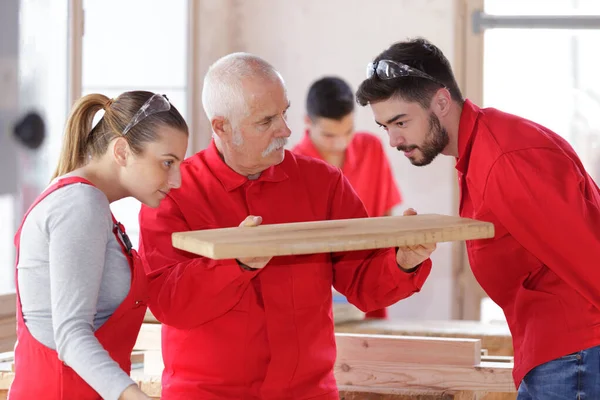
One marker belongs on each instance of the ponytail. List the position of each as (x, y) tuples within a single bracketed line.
[(77, 132), (80, 140)]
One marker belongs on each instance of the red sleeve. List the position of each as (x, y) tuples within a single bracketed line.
[(185, 290), (370, 279), (541, 197)]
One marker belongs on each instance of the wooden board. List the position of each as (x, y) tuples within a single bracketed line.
[(330, 236), (8, 305), (407, 349), (485, 377), (495, 337), (8, 322)]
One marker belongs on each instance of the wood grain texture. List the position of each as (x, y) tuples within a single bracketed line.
[(330, 236), (8, 322), (405, 394), (405, 349), (495, 337), (8, 305), (485, 377)]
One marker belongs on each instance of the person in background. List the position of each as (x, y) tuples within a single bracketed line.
[(81, 289), (258, 328), (541, 267), (330, 136)]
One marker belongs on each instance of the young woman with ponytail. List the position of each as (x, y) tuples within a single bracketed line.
[(81, 288)]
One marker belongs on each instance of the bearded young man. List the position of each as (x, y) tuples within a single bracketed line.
[(542, 267)]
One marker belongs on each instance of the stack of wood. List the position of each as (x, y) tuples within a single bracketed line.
[(8, 338), (8, 322), (387, 367)]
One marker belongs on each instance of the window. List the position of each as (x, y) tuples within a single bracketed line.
[(548, 75), (135, 45)]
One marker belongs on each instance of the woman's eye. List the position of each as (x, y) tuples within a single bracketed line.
[(168, 163)]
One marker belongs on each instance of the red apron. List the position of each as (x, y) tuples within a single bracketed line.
[(39, 374)]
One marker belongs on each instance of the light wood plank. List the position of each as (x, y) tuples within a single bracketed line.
[(330, 236), (8, 305), (406, 349), (495, 337), (486, 377), (6, 379)]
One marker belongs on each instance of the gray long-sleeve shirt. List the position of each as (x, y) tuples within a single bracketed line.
[(72, 277)]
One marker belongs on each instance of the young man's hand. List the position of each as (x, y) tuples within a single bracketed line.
[(409, 257)]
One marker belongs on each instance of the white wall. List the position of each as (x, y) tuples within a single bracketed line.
[(306, 39)]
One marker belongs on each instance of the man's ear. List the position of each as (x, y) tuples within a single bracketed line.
[(308, 121), (121, 151), (221, 127), (441, 103)]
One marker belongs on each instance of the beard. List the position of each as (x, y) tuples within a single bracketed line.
[(436, 141)]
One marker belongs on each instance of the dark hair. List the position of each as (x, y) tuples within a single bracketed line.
[(80, 140), (419, 54), (329, 97)]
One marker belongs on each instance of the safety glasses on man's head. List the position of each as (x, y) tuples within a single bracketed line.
[(388, 69)]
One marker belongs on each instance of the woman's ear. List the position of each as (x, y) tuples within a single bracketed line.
[(121, 151)]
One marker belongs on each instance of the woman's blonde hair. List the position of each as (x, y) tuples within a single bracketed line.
[(81, 141)]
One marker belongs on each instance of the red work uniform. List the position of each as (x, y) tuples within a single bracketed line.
[(542, 265), (266, 334), (368, 170), (39, 373)]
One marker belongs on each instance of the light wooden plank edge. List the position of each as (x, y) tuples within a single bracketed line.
[(468, 231), (381, 348)]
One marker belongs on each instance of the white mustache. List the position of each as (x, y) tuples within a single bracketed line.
[(276, 144)]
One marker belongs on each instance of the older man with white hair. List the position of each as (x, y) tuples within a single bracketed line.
[(258, 328)]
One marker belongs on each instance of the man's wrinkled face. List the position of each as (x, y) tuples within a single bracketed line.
[(258, 140)]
